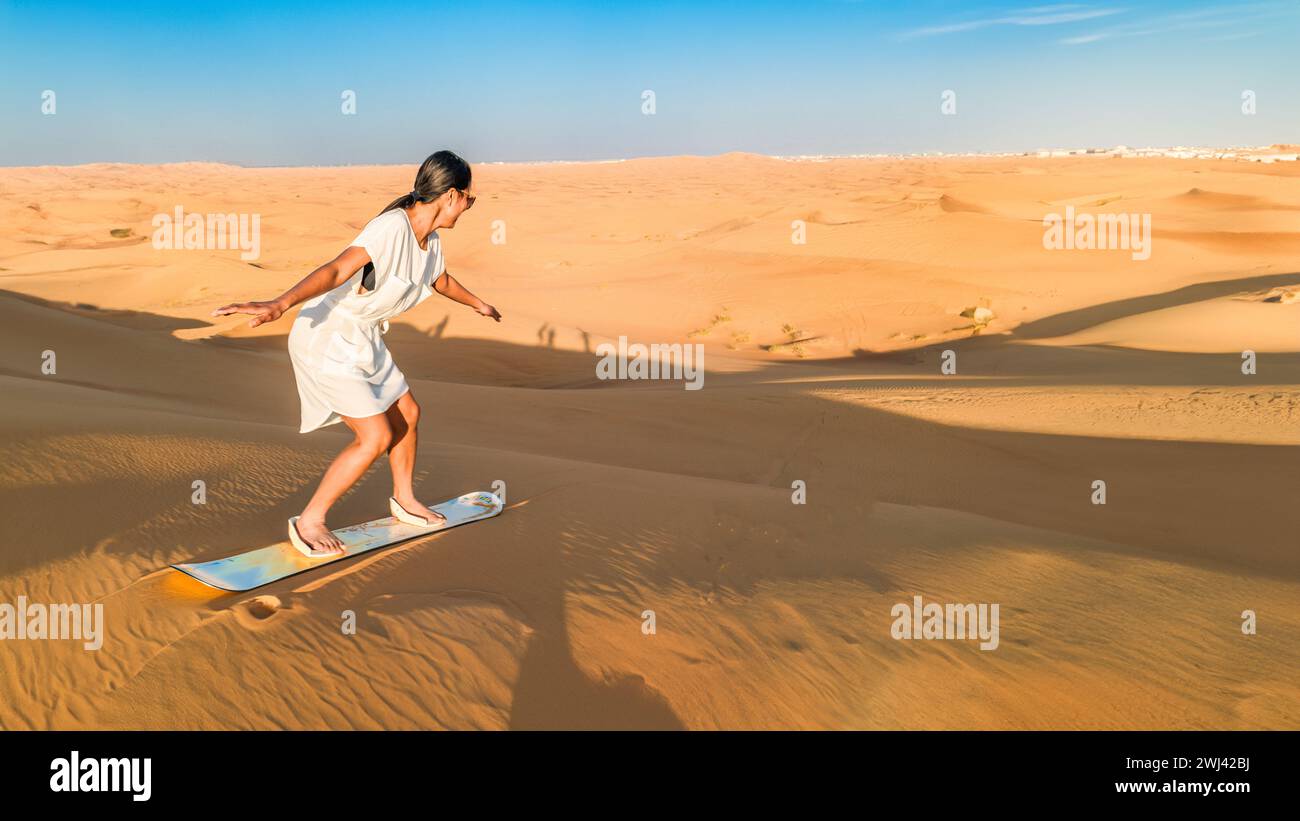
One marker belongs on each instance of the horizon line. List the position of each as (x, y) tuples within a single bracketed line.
[(1051, 153)]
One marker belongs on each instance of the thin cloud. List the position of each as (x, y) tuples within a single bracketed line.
[(1035, 16), (1211, 17)]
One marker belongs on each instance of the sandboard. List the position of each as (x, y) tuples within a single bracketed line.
[(254, 568)]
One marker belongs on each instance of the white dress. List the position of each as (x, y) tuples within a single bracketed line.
[(339, 358)]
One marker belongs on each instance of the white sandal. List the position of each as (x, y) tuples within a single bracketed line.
[(400, 514), (301, 546)]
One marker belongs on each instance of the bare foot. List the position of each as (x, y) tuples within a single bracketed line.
[(318, 537), (412, 506)]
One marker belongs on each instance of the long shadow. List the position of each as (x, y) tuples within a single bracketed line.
[(1077, 320), (551, 692), (995, 363), (136, 320), (1068, 322), (438, 358)]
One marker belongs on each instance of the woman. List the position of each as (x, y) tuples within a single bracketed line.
[(343, 369)]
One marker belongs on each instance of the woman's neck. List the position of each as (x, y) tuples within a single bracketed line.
[(424, 219)]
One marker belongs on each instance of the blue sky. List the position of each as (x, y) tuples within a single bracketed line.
[(260, 83)]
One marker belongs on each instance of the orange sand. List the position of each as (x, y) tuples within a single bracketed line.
[(823, 366)]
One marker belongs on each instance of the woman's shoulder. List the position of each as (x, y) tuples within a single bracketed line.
[(389, 220), (384, 231)]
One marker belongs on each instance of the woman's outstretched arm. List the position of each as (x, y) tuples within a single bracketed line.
[(325, 278), (453, 290)]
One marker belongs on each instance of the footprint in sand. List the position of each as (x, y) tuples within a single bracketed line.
[(256, 610)]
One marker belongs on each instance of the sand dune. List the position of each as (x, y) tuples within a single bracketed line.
[(823, 366)]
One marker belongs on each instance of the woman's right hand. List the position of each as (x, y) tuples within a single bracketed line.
[(260, 311)]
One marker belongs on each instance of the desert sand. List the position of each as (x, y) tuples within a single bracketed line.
[(823, 366)]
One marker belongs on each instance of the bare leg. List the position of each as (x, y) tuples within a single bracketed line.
[(404, 419), (374, 435)]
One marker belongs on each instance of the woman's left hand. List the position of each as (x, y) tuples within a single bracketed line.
[(262, 312), (489, 311)]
